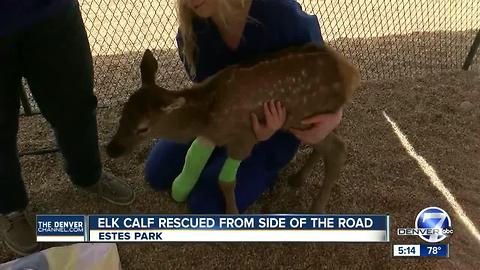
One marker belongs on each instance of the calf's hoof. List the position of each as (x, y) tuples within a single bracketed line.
[(180, 190), (233, 210), (318, 208), (295, 181)]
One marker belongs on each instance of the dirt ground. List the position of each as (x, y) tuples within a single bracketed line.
[(380, 177)]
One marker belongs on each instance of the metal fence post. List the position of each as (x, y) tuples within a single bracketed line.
[(472, 52), (24, 100)]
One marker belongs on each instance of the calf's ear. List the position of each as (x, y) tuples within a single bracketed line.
[(148, 68)]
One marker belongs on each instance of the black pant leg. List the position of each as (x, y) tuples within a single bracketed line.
[(12, 191), (58, 66)]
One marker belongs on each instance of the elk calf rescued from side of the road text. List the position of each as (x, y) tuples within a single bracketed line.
[(307, 80)]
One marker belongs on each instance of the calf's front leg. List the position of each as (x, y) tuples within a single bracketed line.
[(238, 150), (195, 160)]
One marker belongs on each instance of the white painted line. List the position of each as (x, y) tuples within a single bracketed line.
[(434, 179)]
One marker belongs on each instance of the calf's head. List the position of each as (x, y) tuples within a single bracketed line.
[(144, 112)]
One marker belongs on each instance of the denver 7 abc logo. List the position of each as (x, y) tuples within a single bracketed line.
[(432, 224)]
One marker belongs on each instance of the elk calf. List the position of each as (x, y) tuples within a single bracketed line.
[(308, 80)]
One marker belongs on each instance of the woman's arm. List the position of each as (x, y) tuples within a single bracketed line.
[(295, 27), (321, 126), (308, 30)]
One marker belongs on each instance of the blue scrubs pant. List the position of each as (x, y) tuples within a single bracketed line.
[(256, 174)]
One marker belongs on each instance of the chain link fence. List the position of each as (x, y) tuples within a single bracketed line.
[(386, 39)]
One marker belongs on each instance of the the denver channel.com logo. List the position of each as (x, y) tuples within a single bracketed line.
[(432, 224)]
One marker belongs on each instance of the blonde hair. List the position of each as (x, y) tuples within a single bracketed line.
[(185, 15)]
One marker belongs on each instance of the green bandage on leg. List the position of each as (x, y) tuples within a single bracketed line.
[(195, 160), (229, 170)]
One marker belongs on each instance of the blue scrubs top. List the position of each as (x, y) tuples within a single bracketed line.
[(276, 24)]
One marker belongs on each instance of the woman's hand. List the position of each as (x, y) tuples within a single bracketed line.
[(275, 116), (322, 125)]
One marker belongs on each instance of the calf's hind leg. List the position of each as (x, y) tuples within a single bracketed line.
[(299, 178), (334, 154)]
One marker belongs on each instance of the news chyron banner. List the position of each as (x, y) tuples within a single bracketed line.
[(213, 228)]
